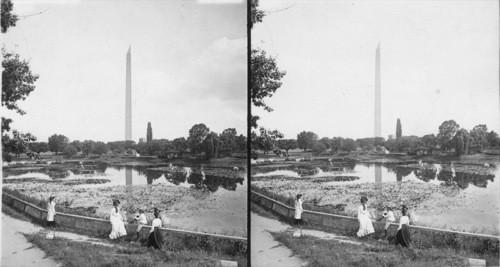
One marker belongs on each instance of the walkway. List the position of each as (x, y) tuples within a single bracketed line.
[(17, 251)]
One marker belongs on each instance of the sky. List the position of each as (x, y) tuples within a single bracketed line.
[(439, 61), (189, 66)]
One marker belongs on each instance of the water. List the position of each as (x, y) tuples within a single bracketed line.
[(176, 176)]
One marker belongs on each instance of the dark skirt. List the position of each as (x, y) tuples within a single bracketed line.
[(403, 236), (51, 223), (155, 239), (298, 222)]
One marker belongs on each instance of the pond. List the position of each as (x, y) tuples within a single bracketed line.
[(189, 177)]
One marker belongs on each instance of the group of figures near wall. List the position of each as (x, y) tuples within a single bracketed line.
[(365, 221), (118, 229)]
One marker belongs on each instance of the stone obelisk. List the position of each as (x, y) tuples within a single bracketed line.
[(378, 107), (128, 99)]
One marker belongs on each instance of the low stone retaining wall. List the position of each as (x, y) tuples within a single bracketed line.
[(330, 220), (95, 224)]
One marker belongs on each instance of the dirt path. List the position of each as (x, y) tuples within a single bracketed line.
[(265, 250), (17, 251)]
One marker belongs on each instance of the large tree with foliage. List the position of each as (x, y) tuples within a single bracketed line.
[(493, 139), (479, 139), (306, 140), (399, 131), (197, 135), (57, 142), (18, 144), (39, 147), (266, 141), (228, 139), (447, 131), (87, 147), (149, 133), (429, 141), (100, 148)]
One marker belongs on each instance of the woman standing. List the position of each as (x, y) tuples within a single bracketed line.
[(116, 219), (298, 212), (403, 235), (155, 238), (365, 222), (51, 211)]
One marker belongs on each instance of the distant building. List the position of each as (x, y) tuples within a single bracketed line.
[(391, 136), (142, 140)]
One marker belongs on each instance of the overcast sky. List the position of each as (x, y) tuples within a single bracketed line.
[(439, 61), (188, 66)]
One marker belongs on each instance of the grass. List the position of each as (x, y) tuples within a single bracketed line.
[(74, 253), (319, 252), (181, 249), (468, 246)]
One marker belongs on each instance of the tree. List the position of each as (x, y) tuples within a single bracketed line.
[(447, 131), (255, 14), (39, 147), (266, 141), (100, 148), (479, 139), (318, 148), (69, 151), (459, 143), (149, 133), (336, 144), (349, 145), (77, 144), (429, 141), (8, 19), (306, 140), (326, 141), (241, 143), (180, 144), (493, 139), (265, 79), (287, 144), (398, 129), (87, 147), (228, 139), (57, 142), (18, 144), (197, 135), (211, 145)]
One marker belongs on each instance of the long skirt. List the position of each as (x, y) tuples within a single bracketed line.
[(117, 228), (403, 236), (155, 239), (365, 226)]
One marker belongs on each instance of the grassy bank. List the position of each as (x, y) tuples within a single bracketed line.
[(73, 253), (182, 249), (319, 252), (468, 246)]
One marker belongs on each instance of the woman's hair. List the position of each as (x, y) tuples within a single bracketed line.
[(156, 212), (51, 198), (364, 199), (404, 210), (116, 202), (299, 196)]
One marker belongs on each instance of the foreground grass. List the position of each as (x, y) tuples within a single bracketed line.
[(179, 249), (319, 252), (73, 253)]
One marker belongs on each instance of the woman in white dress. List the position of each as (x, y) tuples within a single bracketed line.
[(298, 212), (51, 211), (365, 221), (116, 219)]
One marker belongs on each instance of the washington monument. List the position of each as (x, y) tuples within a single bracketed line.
[(378, 108), (128, 99)]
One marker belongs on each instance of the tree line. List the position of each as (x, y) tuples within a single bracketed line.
[(450, 138), (200, 142)]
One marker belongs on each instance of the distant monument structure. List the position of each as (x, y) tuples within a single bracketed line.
[(378, 106), (128, 99)]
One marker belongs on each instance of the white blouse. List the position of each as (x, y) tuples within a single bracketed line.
[(115, 214), (362, 211), (155, 223), (403, 220), (298, 209)]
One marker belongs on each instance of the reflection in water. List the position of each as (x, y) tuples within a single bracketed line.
[(128, 176), (378, 173)]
